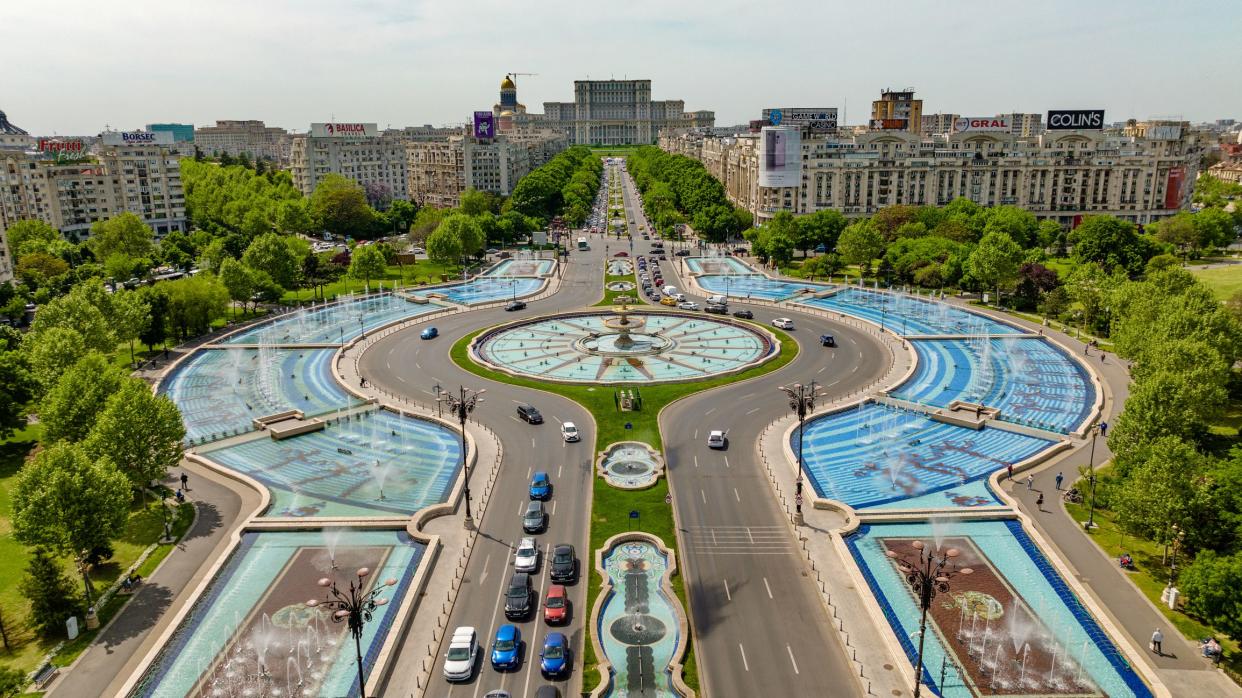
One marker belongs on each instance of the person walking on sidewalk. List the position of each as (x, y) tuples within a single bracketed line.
[(185, 482), (1030, 482), (1060, 478), (1010, 469), (1039, 501), (1157, 638)]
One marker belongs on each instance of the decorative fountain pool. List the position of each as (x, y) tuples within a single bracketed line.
[(620, 286), (630, 465), (620, 267), (623, 347)]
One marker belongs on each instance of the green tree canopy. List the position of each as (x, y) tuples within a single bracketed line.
[(860, 243), (51, 353), (125, 234), (1212, 589), (51, 594), (367, 262), (1111, 243), (77, 311), (339, 205), (457, 235), (271, 253), (28, 236), (994, 261), (70, 408), (139, 431), (17, 388)]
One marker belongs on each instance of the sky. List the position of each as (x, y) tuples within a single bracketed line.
[(75, 67)]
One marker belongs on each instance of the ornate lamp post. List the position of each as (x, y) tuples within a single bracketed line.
[(1095, 431), (927, 576), (354, 606), (801, 401), (462, 404)]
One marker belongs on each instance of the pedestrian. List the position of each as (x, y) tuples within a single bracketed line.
[(1010, 469), (1157, 638), (1101, 357), (180, 496), (1030, 482), (1039, 501), (185, 482), (1103, 428), (1060, 477)]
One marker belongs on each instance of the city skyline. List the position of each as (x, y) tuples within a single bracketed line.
[(1152, 62)]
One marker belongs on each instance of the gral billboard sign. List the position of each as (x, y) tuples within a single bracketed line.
[(1075, 119), (809, 119), (981, 124), (780, 161), (137, 138), (336, 129), (484, 124)]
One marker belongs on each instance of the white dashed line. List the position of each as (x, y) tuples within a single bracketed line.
[(736, 496), (709, 411), (745, 664), (727, 461), (703, 495), (768, 587), (791, 659), (752, 411), (726, 586), (559, 468), (696, 461)]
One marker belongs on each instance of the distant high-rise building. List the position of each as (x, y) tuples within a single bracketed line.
[(182, 133), (258, 140), (440, 170), (356, 151), (12, 137), (938, 123), (897, 111), (617, 112)]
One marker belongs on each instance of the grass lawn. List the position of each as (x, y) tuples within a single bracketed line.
[(145, 526), (1224, 281), (610, 507), (422, 272), (610, 296)]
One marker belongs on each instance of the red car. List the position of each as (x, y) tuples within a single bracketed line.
[(556, 605), (622, 254)]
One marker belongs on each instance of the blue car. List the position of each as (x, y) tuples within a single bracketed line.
[(540, 486), (430, 333), (506, 648), (555, 655)]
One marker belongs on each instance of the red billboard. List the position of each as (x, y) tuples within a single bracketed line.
[(890, 124), (1173, 187), (67, 146)]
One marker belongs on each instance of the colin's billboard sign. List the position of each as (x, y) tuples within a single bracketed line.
[(334, 129), (1075, 119)]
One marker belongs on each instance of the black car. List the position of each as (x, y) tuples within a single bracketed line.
[(827, 340), (717, 309), (744, 314), (683, 253), (518, 596), (515, 305), (564, 566), (528, 413)]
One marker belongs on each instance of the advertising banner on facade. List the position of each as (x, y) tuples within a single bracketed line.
[(890, 124), (1075, 119), (484, 124), (137, 138), (809, 119), (1164, 132), (780, 162), (338, 129), (1173, 187), (62, 146), (981, 124)]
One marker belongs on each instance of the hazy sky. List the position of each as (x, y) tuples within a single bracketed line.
[(73, 66)]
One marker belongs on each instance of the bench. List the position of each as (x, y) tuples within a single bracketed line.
[(45, 674)]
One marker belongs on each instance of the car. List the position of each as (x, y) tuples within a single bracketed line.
[(668, 300), (662, 258), (507, 648), (498, 694), (526, 559), (569, 432), (564, 565), (535, 518), (821, 248), (540, 485), (744, 314), (556, 605), (827, 340), (717, 309), (622, 253), (783, 323), (739, 250), (548, 692), (517, 596), (429, 333), (716, 439), (515, 305), (529, 414), (463, 650), (554, 657), (682, 253), (688, 305)]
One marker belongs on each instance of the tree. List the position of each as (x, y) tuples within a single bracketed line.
[(1034, 280), (17, 388), (994, 261), (443, 246), (1019, 224), (1214, 228), (270, 253), (139, 431), (860, 243), (237, 280), (37, 268), (367, 263), (70, 408), (400, 215), (819, 228), (125, 234), (78, 312), (821, 266), (51, 353), (339, 206), (379, 194), (193, 302), (1157, 488), (51, 594), (28, 236), (1165, 404), (1111, 243), (1212, 588), (156, 300), (475, 202), (1178, 231), (292, 218), (130, 315), (461, 228), (68, 503)]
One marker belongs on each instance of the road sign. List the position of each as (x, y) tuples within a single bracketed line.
[(633, 513), (668, 498), (798, 499)]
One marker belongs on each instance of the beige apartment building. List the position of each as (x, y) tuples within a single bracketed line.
[(439, 171), (1059, 175), (355, 151), (256, 139)]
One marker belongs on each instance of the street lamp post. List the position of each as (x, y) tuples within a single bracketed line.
[(1095, 431), (927, 577), (801, 401), (462, 404), (354, 606)]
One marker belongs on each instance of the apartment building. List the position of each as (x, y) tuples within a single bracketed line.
[(356, 151), (258, 140), (897, 110), (439, 171)]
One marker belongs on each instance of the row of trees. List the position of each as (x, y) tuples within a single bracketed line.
[(677, 189), (565, 185)]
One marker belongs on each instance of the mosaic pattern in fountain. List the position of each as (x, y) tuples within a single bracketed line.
[(756, 286), (620, 286), (334, 323), (251, 634), (488, 289), (630, 465), (1029, 380), (637, 626), (220, 391), (1012, 627), (522, 267), (875, 455), (374, 463), (909, 315), (581, 348), (717, 265)]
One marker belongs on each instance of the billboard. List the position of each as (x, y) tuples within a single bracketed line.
[(780, 162), (137, 138), (336, 129), (62, 146), (484, 124), (981, 124), (1173, 187), (756, 125), (1164, 132), (810, 119), (890, 124), (1075, 119)]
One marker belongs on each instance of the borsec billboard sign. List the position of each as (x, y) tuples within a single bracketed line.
[(1075, 119)]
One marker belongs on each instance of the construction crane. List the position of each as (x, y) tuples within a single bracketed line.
[(514, 75)]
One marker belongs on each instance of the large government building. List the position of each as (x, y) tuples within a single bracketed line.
[(1141, 173)]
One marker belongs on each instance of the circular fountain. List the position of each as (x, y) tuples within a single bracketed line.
[(630, 465)]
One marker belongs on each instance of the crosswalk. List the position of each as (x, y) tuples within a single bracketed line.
[(740, 540)]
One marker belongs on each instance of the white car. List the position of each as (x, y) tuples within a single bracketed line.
[(679, 297), (688, 305), (569, 432), (715, 439), (783, 322), (462, 652), (527, 557), (417, 250)]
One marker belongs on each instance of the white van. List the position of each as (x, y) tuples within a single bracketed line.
[(717, 300), (670, 290)]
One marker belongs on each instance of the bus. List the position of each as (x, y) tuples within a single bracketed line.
[(582, 244)]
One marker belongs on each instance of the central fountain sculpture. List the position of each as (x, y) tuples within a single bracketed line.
[(623, 324)]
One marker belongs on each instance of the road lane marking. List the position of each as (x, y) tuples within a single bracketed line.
[(530, 664), (726, 586), (532, 442), (528, 472), (696, 434), (388, 364), (791, 659), (713, 536), (745, 664), (768, 587), (821, 369), (495, 610), (483, 577), (752, 411), (554, 507), (750, 535), (736, 496), (418, 366), (559, 468), (709, 411), (726, 461), (401, 378), (703, 495), (521, 508), (696, 461)]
